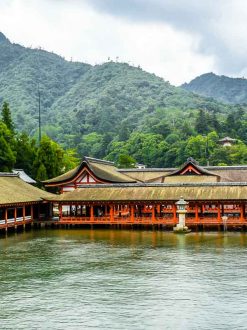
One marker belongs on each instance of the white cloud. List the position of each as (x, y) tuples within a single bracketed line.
[(74, 29)]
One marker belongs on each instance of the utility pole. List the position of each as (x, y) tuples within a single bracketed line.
[(39, 115), (39, 97), (206, 149)]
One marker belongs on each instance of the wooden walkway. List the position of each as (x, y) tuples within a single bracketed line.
[(13, 224), (206, 221)]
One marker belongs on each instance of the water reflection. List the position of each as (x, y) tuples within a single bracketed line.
[(121, 279)]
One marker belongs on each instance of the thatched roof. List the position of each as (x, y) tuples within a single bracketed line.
[(225, 173), (194, 167), (156, 192), (146, 175), (103, 170), (14, 190), (24, 176)]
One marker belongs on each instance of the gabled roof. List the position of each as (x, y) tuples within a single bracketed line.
[(24, 176), (191, 167), (227, 139), (14, 190), (103, 170), (237, 173)]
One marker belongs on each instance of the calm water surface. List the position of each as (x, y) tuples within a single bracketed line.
[(107, 279)]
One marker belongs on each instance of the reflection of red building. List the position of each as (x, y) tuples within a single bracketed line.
[(96, 192)]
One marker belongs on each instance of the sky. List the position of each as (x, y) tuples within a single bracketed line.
[(175, 39)]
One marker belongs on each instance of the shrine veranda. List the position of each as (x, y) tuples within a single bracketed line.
[(96, 193)]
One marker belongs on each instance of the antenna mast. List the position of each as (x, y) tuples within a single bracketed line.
[(39, 116), (39, 98)]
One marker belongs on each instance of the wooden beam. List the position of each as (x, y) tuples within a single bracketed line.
[(60, 211), (15, 213), (174, 209), (31, 212), (153, 213), (242, 209), (6, 216), (111, 212), (91, 213), (196, 213), (132, 213), (218, 212), (24, 213)]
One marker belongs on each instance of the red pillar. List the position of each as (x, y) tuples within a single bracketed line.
[(60, 211), (153, 213), (6, 216), (24, 213), (196, 213), (218, 212), (132, 213), (111, 213), (31, 212), (242, 209), (174, 213), (91, 213), (15, 213)]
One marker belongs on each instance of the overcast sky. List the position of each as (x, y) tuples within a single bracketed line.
[(175, 39)]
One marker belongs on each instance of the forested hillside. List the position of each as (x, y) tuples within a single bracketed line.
[(221, 88), (24, 72), (114, 111)]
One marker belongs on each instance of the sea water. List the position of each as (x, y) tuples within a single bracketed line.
[(121, 279)]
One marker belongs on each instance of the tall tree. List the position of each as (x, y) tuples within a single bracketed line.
[(7, 154), (6, 117), (49, 161), (25, 153), (201, 124)]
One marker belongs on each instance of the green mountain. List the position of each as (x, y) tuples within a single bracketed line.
[(24, 72), (221, 88), (90, 107)]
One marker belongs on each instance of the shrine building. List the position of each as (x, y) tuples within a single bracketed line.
[(96, 192), (21, 203)]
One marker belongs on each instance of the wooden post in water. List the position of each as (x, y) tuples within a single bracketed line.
[(242, 209), (132, 214), (6, 219), (32, 212), (218, 213), (196, 213), (174, 213), (153, 213), (91, 213), (24, 216)]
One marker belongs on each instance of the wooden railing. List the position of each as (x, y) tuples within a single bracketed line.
[(190, 221), (12, 222)]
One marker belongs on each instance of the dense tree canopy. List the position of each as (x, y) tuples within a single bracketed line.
[(20, 151), (113, 111)]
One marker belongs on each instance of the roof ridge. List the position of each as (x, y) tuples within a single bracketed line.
[(2, 174), (143, 184), (99, 161)]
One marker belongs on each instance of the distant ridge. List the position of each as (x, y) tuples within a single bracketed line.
[(3, 38), (222, 88)]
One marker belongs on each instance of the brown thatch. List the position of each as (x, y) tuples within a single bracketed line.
[(103, 170), (191, 179), (224, 173), (146, 175), (161, 192), (13, 190)]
